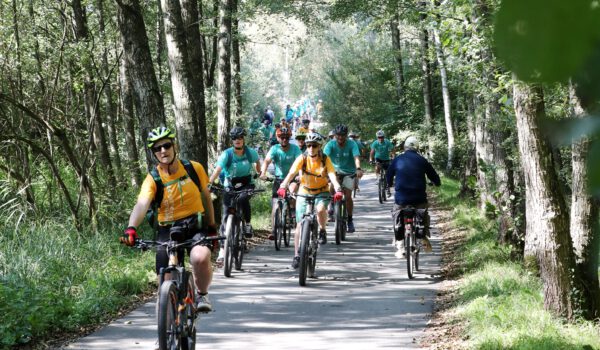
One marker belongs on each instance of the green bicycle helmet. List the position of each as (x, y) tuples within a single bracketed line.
[(159, 133)]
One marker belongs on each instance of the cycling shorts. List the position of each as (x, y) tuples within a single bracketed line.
[(346, 180), (323, 199), (193, 231)]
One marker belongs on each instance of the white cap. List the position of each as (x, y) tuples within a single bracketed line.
[(411, 143)]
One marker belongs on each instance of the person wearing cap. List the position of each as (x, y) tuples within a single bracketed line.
[(181, 206), (382, 152), (283, 156), (300, 140), (409, 170)]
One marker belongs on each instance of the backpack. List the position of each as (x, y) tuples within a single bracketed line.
[(152, 213), (229, 160), (304, 171)]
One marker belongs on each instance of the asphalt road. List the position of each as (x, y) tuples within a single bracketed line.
[(361, 298)]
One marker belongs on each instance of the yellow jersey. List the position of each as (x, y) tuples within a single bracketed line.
[(314, 179), (181, 196)]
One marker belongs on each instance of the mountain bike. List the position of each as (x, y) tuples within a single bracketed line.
[(309, 243), (412, 219), (341, 220), (284, 219), (176, 311), (235, 243), (382, 186)]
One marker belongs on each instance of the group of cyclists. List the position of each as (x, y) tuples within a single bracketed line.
[(325, 169)]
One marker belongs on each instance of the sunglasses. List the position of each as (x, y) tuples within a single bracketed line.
[(311, 145), (237, 138), (167, 146), (284, 137), (380, 137)]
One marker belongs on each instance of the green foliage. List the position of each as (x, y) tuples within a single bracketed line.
[(55, 281)]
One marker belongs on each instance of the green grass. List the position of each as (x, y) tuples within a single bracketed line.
[(53, 280), (500, 303)]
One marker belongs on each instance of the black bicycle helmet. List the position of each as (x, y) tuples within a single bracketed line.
[(341, 129), (237, 131)]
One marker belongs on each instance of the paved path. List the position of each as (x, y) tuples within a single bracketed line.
[(361, 299)]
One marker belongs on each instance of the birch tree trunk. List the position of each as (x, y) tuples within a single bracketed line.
[(224, 76), (235, 60), (547, 241), (446, 97), (399, 73)]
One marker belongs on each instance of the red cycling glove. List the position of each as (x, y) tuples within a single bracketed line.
[(281, 192), (211, 231), (129, 236), (338, 196)]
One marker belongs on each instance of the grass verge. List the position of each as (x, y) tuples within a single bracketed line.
[(496, 303)]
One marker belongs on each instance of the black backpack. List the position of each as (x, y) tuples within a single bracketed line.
[(152, 213)]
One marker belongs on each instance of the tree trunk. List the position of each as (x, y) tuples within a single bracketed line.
[(446, 97), (224, 77), (547, 241), (136, 52), (210, 79), (111, 110), (399, 73), (426, 69), (160, 41), (129, 122), (185, 103), (191, 19), (235, 60), (584, 218)]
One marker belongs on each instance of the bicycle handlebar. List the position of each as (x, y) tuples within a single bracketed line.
[(144, 244)]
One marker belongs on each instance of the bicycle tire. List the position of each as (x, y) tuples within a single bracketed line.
[(229, 245), (188, 341), (168, 334), (380, 191), (240, 246), (383, 189), (304, 246), (344, 221), (408, 242), (277, 231), (312, 259), (417, 249), (289, 226), (339, 222)]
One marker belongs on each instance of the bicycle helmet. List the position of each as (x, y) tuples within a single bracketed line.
[(159, 133), (411, 143), (305, 121), (284, 132), (331, 133), (300, 135), (380, 133), (314, 137), (341, 129), (237, 131)]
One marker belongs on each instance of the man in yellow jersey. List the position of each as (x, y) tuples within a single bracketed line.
[(315, 171), (181, 206)]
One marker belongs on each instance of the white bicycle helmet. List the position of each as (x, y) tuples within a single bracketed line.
[(380, 133), (314, 137)]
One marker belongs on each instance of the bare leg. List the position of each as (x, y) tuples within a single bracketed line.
[(201, 267)]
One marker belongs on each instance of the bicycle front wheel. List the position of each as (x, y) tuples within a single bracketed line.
[(188, 316), (304, 247), (344, 221), (168, 332), (230, 230), (339, 222), (288, 225), (380, 190), (277, 231), (240, 246)]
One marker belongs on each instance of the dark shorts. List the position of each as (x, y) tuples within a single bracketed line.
[(190, 229), (384, 163)]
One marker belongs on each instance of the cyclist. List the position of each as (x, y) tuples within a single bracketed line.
[(283, 156), (331, 135), (300, 140), (354, 137), (346, 160), (181, 205), (305, 126), (315, 170), (289, 114), (239, 164), (410, 169), (380, 153)]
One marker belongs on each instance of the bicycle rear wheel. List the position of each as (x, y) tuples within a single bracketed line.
[(168, 334), (230, 230), (380, 191), (238, 249), (277, 231), (188, 321), (410, 258), (304, 247)]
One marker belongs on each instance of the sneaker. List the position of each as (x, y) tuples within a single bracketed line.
[(203, 303), (248, 232), (350, 227), (221, 258), (296, 262), (323, 237)]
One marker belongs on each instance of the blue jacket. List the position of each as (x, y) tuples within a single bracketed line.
[(410, 169)]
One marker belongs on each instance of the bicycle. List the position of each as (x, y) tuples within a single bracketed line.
[(341, 220), (285, 219), (382, 186), (413, 229), (176, 312), (309, 243), (356, 189), (235, 243)]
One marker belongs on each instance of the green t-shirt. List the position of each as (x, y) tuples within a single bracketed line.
[(240, 165), (342, 158), (266, 132), (382, 149), (283, 160)]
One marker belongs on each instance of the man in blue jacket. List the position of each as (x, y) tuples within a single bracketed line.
[(410, 169)]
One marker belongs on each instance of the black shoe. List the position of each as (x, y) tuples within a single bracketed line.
[(296, 262), (350, 227), (323, 237), (248, 231)]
